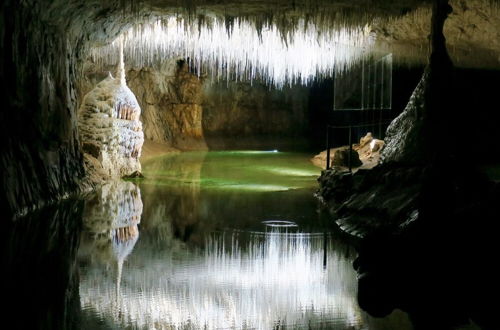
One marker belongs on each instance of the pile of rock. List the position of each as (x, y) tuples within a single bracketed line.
[(365, 154)]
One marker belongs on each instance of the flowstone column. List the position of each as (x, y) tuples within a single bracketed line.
[(110, 129)]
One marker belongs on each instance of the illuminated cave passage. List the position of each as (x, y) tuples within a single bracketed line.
[(250, 164)]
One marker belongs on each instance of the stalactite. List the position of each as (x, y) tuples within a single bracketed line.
[(232, 48)]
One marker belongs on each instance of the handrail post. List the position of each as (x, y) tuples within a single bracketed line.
[(327, 147), (350, 148)]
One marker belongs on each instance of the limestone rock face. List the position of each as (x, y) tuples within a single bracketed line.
[(110, 130), (233, 111), (171, 101)]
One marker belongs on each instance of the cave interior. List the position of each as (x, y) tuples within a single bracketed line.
[(96, 92)]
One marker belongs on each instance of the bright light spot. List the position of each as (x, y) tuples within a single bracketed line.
[(290, 171), (251, 152), (254, 187), (244, 54), (372, 144), (279, 223)]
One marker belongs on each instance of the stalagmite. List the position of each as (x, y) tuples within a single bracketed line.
[(110, 129)]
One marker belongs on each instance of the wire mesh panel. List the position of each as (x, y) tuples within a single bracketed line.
[(366, 86)]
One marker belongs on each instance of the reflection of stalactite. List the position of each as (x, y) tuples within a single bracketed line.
[(123, 241), (238, 280)]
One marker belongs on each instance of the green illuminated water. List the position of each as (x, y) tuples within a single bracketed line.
[(251, 171), (235, 189)]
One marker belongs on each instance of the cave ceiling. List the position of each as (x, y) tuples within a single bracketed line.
[(397, 26)]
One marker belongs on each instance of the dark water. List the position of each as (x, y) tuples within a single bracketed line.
[(212, 240), (224, 240)]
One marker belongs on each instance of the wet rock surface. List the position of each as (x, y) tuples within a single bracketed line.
[(371, 199), (442, 252)]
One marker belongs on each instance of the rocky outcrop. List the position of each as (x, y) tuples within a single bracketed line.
[(403, 139), (170, 97), (110, 130), (368, 200), (407, 185)]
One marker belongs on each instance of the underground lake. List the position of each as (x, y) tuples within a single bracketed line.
[(227, 239)]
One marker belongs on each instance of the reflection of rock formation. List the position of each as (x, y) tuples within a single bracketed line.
[(174, 212), (110, 218), (110, 129), (116, 204)]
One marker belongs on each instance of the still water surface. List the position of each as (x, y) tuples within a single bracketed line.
[(218, 240)]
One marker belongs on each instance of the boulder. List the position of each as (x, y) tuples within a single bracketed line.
[(341, 157)]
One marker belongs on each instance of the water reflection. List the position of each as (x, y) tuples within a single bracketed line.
[(255, 280), (210, 256), (110, 218)]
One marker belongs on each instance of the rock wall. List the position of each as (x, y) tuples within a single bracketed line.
[(472, 33), (170, 97), (40, 161), (236, 111), (42, 45)]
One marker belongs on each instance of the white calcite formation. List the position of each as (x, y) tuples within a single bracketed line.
[(110, 129)]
